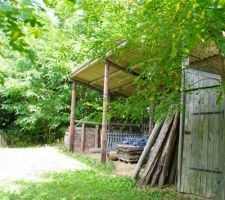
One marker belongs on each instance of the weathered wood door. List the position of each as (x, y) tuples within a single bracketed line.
[(202, 149)]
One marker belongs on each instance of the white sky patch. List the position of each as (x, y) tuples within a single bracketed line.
[(49, 11)]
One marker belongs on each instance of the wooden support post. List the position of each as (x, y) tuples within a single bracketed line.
[(104, 114), (72, 118), (83, 138), (96, 136)]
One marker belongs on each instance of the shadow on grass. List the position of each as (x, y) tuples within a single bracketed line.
[(81, 185)]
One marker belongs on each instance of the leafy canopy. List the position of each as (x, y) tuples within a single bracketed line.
[(35, 97)]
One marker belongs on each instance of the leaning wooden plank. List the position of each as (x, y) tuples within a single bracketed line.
[(149, 174), (147, 149), (174, 167), (169, 146), (168, 150), (156, 148), (157, 172)]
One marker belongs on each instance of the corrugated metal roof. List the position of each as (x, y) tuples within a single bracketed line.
[(125, 67), (122, 72)]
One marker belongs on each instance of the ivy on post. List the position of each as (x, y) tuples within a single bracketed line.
[(72, 117), (104, 114)]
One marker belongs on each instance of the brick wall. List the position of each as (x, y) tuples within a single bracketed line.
[(89, 139)]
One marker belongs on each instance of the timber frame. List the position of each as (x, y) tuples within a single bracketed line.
[(107, 65), (116, 75)]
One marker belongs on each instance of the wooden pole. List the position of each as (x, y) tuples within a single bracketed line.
[(96, 136), (156, 150), (104, 114), (147, 149), (83, 138), (72, 118)]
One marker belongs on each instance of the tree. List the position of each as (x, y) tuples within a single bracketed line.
[(165, 31), (37, 86)]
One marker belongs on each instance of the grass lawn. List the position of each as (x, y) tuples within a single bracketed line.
[(95, 183)]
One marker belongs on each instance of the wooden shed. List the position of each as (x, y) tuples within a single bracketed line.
[(201, 159), (201, 165), (114, 75)]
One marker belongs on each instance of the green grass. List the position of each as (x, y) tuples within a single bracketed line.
[(97, 183), (81, 185), (93, 163)]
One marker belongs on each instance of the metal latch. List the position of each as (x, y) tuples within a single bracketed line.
[(187, 132)]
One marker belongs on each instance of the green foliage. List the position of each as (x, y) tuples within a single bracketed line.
[(164, 31), (36, 87), (38, 91), (14, 16)]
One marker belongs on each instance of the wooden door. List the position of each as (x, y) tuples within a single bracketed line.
[(202, 153)]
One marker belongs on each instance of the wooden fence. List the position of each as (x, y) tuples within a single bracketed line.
[(86, 130)]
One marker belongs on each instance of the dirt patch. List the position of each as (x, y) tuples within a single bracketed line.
[(30, 163), (122, 169)]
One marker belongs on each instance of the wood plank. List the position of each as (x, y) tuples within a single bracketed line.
[(182, 121), (205, 121), (210, 153), (72, 117), (83, 138), (187, 131), (216, 148), (169, 150), (155, 151), (112, 124), (174, 167), (198, 132), (147, 149), (96, 136), (222, 157), (194, 179), (123, 69), (188, 143)]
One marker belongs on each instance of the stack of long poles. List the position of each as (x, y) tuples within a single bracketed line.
[(159, 155)]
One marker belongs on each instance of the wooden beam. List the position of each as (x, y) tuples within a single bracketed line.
[(104, 114), (83, 67), (99, 123), (83, 138), (122, 86), (126, 70), (115, 73), (95, 87), (102, 77), (72, 118), (96, 136), (87, 64)]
